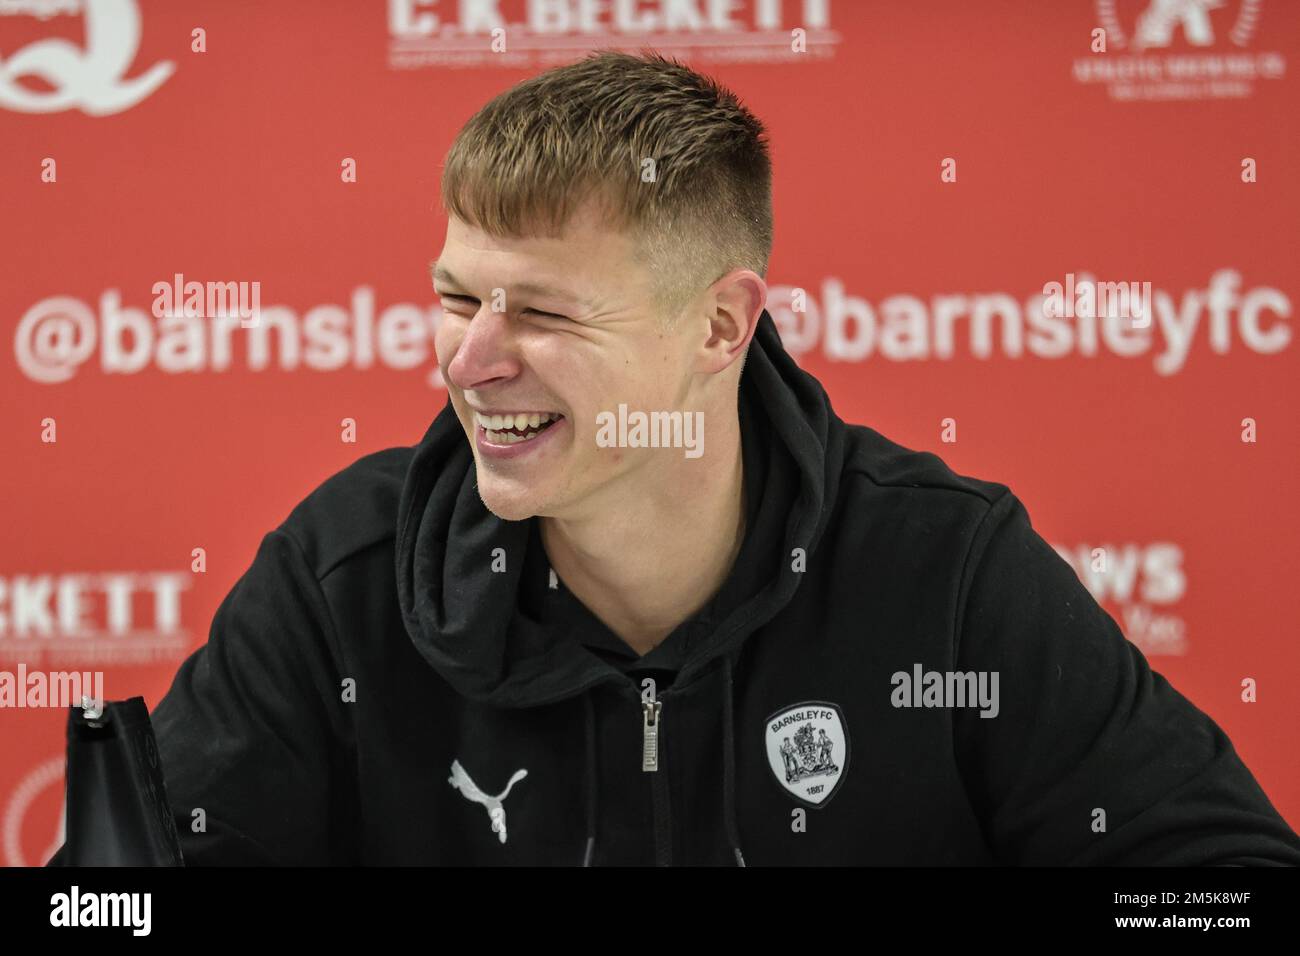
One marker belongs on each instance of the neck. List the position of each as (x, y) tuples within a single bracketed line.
[(651, 557)]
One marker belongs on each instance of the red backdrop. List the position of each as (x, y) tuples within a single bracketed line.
[(135, 149)]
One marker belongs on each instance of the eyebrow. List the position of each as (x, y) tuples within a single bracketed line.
[(442, 274)]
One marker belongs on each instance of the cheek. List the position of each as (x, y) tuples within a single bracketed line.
[(446, 341), (563, 370)]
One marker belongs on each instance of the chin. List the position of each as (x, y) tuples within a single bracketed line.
[(508, 507)]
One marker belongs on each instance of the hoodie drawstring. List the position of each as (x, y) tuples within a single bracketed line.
[(728, 769), (591, 780), (729, 762)]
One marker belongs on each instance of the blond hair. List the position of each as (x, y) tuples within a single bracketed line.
[(675, 159)]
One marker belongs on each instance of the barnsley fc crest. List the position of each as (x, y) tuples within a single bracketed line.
[(808, 750)]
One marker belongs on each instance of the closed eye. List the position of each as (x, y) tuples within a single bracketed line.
[(470, 302)]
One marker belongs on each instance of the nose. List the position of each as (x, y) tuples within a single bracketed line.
[(485, 353)]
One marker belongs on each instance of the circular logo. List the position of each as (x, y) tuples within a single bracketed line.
[(20, 826)]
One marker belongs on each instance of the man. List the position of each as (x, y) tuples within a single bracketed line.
[(791, 761), (604, 637), (824, 747)]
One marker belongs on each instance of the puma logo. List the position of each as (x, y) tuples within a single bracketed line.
[(470, 791)]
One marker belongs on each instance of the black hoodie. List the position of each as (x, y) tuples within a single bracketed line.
[(834, 703)]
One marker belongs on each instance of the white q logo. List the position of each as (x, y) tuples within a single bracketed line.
[(91, 79)]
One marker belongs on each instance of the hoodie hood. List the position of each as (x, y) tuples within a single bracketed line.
[(470, 622)]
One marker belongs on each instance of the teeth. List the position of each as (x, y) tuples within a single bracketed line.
[(509, 438), (517, 420), (496, 426)]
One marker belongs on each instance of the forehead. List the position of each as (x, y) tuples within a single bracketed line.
[(588, 258)]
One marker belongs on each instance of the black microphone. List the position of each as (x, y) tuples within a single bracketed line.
[(117, 810)]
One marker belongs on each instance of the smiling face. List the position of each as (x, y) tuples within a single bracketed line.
[(577, 333)]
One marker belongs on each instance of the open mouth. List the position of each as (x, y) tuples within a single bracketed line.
[(515, 428)]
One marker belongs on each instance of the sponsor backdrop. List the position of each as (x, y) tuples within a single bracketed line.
[(938, 165)]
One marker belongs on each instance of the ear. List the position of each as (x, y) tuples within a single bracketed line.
[(736, 302)]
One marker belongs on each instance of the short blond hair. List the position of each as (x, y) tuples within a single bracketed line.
[(527, 158)]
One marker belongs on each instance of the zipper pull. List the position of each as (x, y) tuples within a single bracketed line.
[(650, 734)]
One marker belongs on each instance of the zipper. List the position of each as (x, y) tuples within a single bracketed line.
[(651, 738), (650, 710)]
